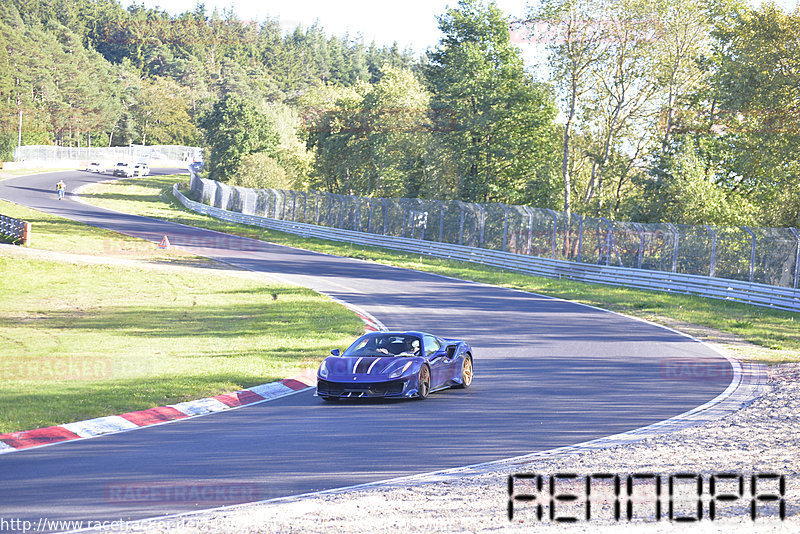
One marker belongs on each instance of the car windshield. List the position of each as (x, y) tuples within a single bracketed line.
[(385, 345)]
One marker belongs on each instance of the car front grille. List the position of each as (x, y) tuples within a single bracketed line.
[(373, 389)]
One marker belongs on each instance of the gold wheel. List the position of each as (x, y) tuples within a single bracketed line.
[(466, 372)]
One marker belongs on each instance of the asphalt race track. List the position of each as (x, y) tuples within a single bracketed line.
[(549, 373)]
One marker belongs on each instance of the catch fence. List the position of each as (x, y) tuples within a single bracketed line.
[(758, 255), (152, 154)]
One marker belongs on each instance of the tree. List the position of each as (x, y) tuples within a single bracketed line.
[(577, 46), (756, 88), (396, 114), (336, 132), (232, 130), (503, 133), (681, 191), (161, 112)]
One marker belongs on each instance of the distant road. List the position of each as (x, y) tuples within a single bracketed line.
[(548, 373)]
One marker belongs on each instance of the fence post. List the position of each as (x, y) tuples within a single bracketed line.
[(283, 204), (441, 220), (607, 245), (529, 211), (357, 221), (797, 258), (385, 215), (555, 229), (712, 268), (406, 216), (483, 224), (752, 252), (640, 253), (675, 235), (294, 203), (505, 226), (275, 204), (461, 223)]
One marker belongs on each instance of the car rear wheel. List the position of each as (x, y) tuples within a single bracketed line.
[(466, 372), (424, 383)]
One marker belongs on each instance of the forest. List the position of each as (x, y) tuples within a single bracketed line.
[(649, 111)]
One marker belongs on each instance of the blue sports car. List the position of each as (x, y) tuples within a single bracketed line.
[(395, 364)]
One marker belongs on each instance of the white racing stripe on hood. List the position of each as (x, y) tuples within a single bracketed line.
[(356, 365), (376, 360)]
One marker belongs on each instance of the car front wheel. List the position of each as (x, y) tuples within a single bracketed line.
[(466, 372)]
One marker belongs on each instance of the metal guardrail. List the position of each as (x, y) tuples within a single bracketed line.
[(15, 229), (746, 292)]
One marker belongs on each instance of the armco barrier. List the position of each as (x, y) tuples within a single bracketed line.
[(15, 229), (751, 293)]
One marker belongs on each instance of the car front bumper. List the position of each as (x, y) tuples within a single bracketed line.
[(389, 388)]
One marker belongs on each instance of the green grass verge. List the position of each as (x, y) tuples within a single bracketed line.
[(5, 173), (83, 341), (57, 234), (776, 333)]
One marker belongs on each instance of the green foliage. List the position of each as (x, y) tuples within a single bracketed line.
[(292, 155), (372, 139), (233, 129), (140, 75), (7, 145), (61, 87), (261, 171), (757, 115), (671, 109), (681, 190), (503, 136)]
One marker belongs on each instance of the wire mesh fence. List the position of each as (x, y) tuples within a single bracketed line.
[(763, 255), (151, 154)]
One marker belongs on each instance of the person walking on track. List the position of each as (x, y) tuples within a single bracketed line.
[(60, 188)]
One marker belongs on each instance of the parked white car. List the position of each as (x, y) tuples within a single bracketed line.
[(95, 166), (141, 169), (122, 169)]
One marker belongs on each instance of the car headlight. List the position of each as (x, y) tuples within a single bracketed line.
[(400, 370), (323, 370)]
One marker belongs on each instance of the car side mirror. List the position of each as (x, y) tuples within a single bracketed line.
[(335, 352)]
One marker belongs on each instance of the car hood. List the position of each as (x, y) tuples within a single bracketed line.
[(338, 366)]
